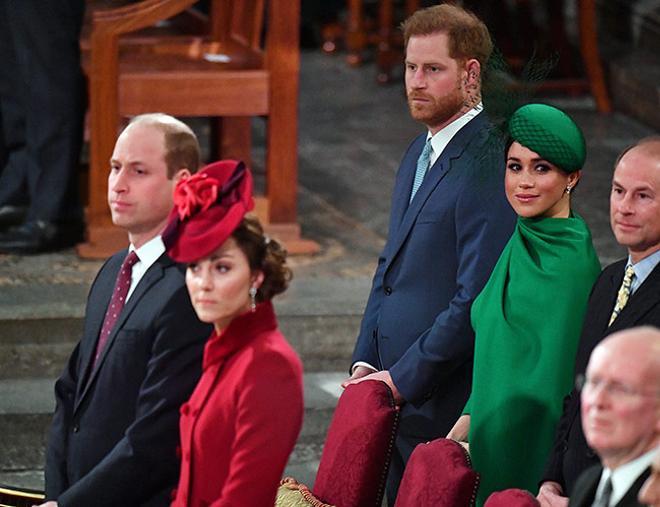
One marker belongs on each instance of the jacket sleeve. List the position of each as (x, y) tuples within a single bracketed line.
[(65, 392), (365, 346), (554, 466), (269, 416), (144, 462), (56, 476), (483, 222)]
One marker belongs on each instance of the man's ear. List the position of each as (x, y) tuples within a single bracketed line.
[(472, 73), (181, 174)]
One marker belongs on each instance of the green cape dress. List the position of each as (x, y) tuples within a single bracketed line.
[(527, 323)]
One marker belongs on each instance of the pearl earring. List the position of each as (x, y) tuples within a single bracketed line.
[(253, 298), (568, 190)]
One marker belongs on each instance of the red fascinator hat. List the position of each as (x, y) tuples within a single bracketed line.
[(208, 207)]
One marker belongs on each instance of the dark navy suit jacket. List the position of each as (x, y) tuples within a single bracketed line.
[(439, 254), (115, 430), (571, 455)]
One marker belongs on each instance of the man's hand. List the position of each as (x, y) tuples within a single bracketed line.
[(461, 429), (358, 372), (550, 495), (47, 504), (383, 376)]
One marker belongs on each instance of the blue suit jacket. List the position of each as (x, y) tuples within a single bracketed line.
[(439, 254), (116, 428)]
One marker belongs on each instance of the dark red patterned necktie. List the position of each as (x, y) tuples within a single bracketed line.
[(117, 301)]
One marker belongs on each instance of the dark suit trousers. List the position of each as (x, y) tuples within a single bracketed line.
[(42, 105)]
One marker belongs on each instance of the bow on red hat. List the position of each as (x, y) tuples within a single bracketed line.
[(208, 207)]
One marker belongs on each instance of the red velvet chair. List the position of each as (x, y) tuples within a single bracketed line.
[(438, 473), (512, 498), (357, 449)]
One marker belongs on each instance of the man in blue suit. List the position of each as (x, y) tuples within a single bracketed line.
[(449, 222)]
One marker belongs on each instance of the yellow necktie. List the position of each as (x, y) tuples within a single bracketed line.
[(623, 294)]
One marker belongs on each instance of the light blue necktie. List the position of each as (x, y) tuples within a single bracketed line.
[(423, 163)]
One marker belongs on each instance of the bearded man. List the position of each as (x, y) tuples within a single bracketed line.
[(449, 222)]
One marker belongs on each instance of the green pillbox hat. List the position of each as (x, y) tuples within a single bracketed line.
[(551, 133)]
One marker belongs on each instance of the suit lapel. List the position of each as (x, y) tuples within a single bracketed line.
[(97, 315), (152, 276), (645, 297), (407, 175), (584, 492), (437, 172), (630, 498)]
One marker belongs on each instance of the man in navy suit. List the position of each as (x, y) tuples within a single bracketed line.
[(635, 221), (114, 434), (449, 222), (621, 417)]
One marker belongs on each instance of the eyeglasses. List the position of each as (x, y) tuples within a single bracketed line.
[(617, 390)]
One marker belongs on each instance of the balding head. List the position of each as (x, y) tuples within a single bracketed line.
[(621, 396), (181, 146)]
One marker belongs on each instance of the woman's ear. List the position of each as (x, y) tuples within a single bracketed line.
[(257, 279), (573, 178)]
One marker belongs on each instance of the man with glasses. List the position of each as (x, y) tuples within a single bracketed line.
[(620, 396), (626, 294)]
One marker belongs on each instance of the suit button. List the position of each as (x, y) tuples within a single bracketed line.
[(76, 429), (185, 409), (388, 290)]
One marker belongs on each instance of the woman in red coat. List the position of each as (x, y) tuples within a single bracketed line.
[(242, 420)]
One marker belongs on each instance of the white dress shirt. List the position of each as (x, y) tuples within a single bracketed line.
[(148, 254)]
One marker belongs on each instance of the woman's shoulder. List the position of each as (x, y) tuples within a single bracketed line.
[(271, 350)]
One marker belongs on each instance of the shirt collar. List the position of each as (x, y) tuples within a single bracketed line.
[(149, 252), (441, 139), (624, 476), (643, 269)]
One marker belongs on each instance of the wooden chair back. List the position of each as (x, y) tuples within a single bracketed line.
[(259, 41)]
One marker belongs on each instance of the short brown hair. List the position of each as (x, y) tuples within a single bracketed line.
[(468, 35), (181, 145), (265, 255)]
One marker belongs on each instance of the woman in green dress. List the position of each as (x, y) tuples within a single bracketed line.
[(528, 318)]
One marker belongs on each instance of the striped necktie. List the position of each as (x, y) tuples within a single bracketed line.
[(623, 294), (423, 163)]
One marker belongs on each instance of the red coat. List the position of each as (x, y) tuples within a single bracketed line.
[(242, 420)]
